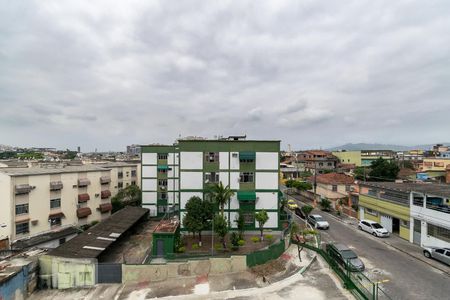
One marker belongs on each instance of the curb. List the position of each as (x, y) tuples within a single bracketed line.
[(306, 268), (418, 258)]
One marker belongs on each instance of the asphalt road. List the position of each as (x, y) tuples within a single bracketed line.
[(405, 276)]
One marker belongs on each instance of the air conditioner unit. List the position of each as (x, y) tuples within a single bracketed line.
[(96, 195), (234, 155), (162, 188)]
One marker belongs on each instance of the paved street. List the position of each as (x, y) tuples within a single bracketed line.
[(408, 277)]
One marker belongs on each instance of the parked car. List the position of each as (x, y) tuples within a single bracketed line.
[(299, 213), (345, 257), (292, 205), (318, 222), (373, 228), (441, 254)]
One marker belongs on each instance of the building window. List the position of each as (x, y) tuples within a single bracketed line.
[(320, 164), (162, 182), (133, 173), (120, 174), (347, 188), (330, 164), (162, 156), (371, 212), (21, 209), (249, 218), (127, 184), (55, 203), (22, 228), (163, 171), (133, 183), (439, 232), (212, 157), (404, 223), (162, 196), (211, 177), (55, 221), (120, 185), (334, 188), (418, 201), (246, 177)]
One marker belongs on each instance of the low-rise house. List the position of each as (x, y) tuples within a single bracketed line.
[(335, 187), (319, 161)]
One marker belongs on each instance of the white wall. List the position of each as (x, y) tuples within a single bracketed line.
[(172, 184), (191, 180), (153, 210), (170, 158), (191, 160), (234, 180), (234, 203), (148, 171), (149, 158), (272, 222), (234, 161), (223, 177), (149, 184), (233, 216), (6, 206), (266, 200), (173, 172), (266, 160), (266, 180), (149, 197), (223, 160), (185, 196)]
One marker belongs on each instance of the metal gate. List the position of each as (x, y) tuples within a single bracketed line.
[(417, 232), (109, 273), (386, 221)]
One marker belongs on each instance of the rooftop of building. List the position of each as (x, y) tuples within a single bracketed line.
[(441, 190), (95, 240), (167, 226), (51, 170), (42, 238), (333, 178), (116, 164)]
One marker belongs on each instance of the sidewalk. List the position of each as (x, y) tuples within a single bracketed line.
[(393, 241)]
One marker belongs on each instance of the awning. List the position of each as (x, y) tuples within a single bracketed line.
[(163, 167), (22, 220), (247, 155), (105, 194), (22, 189), (84, 182), (83, 212), (246, 196), (83, 198), (106, 207), (105, 179), (56, 185), (56, 215)]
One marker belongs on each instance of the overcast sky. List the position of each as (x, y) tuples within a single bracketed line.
[(310, 73)]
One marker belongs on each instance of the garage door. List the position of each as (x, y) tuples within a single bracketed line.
[(386, 222)]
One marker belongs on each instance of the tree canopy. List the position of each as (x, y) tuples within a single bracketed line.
[(198, 215), (221, 228), (383, 170), (299, 185), (261, 217), (220, 194), (131, 195)]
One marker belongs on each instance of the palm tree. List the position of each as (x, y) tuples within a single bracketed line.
[(220, 194)]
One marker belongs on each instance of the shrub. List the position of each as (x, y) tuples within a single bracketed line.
[(241, 242), (234, 238), (218, 246), (268, 237), (195, 246), (338, 212), (309, 231), (255, 239), (181, 249)]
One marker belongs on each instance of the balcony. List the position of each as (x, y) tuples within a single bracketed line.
[(21, 189), (83, 182), (83, 212), (105, 194), (437, 205), (83, 198), (56, 185)]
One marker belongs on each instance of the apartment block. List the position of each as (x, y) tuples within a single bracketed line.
[(123, 174), (37, 201), (172, 174)]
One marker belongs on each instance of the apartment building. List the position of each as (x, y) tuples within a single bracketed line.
[(172, 174), (38, 201), (319, 161), (123, 174)]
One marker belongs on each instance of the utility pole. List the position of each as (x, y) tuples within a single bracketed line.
[(315, 181)]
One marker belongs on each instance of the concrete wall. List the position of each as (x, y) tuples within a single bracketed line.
[(7, 212), (23, 280), (155, 273)]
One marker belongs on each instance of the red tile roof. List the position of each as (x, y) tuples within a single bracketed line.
[(333, 178)]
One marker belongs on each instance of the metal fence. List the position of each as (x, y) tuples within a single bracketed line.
[(261, 257)]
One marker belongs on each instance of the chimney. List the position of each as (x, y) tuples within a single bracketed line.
[(447, 174)]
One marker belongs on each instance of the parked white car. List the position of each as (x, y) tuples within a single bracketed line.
[(441, 254), (373, 228), (318, 222)]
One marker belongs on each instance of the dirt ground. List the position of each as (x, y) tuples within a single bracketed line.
[(248, 247), (134, 247)]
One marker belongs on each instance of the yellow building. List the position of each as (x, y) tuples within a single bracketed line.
[(349, 157), (435, 164), (388, 204)]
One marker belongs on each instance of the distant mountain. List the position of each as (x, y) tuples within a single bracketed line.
[(364, 146)]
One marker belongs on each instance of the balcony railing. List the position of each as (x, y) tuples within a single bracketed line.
[(440, 207)]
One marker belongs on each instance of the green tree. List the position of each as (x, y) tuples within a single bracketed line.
[(325, 204), (290, 183), (131, 195), (383, 170), (307, 209), (261, 217), (360, 173), (220, 194), (198, 214), (221, 228), (240, 223), (303, 185)]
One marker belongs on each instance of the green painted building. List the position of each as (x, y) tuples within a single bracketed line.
[(172, 174)]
